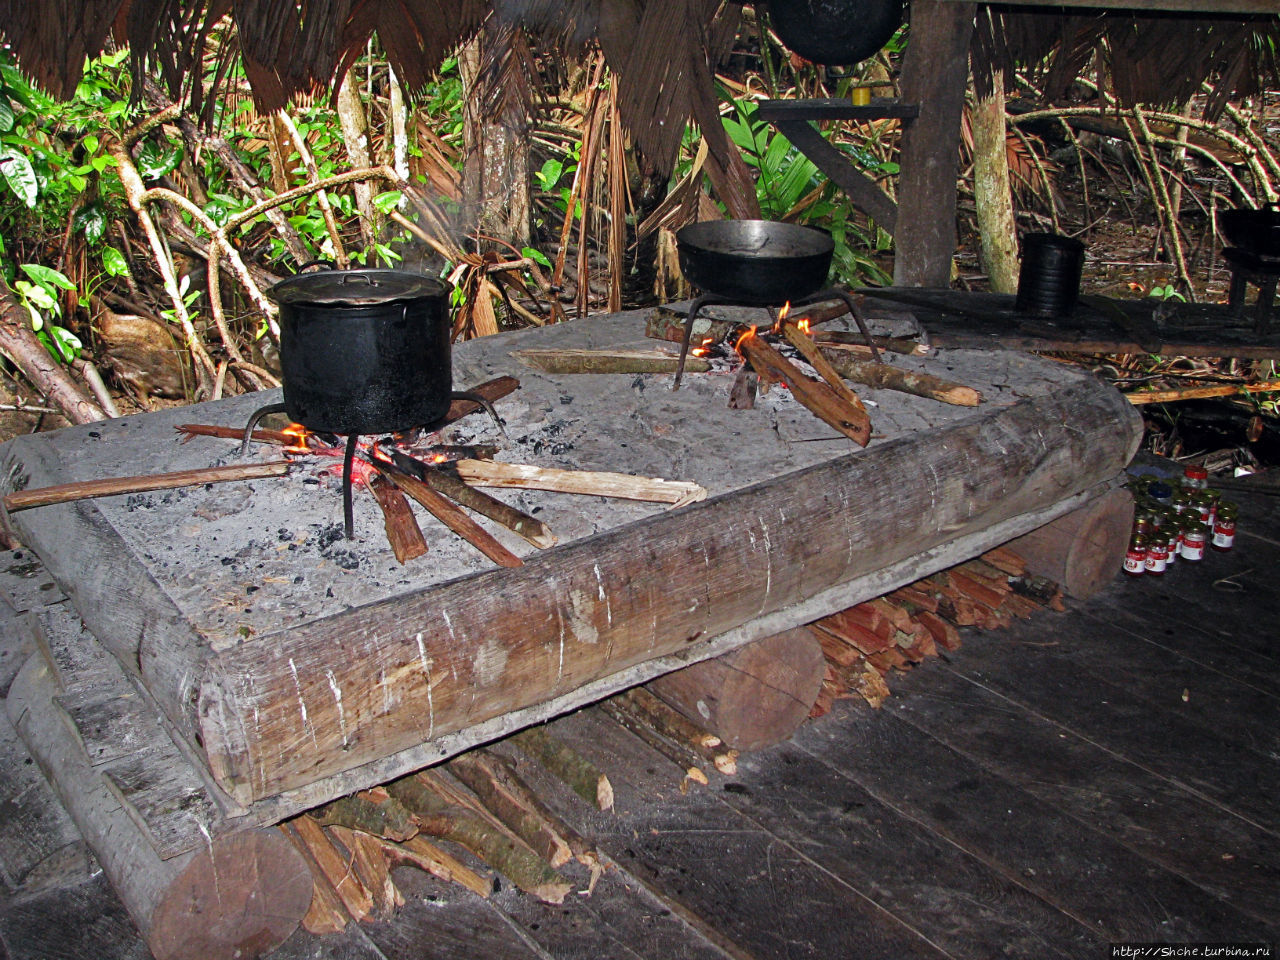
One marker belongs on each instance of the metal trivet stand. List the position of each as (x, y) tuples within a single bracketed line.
[(829, 293), (349, 451)]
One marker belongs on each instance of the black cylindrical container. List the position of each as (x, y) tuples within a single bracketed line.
[(1049, 281), (364, 351)]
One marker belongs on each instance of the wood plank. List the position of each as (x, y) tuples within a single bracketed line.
[(719, 870), (835, 108), (956, 318), (1110, 713), (957, 901), (1201, 7), (1223, 855), (1067, 863)]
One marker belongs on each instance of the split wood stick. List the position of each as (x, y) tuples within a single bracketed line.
[(882, 376), (810, 351), (1005, 560), (682, 755), (891, 612), (1199, 393), (870, 685), (517, 521), (335, 868), (384, 816), (403, 532), (944, 634), (624, 486), (857, 343), (440, 817), (492, 390), (857, 636), (372, 868), (675, 726), (579, 773), (607, 361), (975, 590), (915, 599), (509, 799), (835, 649), (819, 398), (451, 516), (426, 856), (987, 575), (87, 489), (261, 435), (326, 914)]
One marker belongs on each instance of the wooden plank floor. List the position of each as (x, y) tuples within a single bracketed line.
[(1107, 774)]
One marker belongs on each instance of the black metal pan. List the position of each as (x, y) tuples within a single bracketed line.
[(756, 262)]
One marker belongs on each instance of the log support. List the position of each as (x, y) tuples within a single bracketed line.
[(1083, 550)]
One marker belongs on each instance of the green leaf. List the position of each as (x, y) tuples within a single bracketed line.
[(102, 163), (20, 176), (113, 262), (7, 118), (388, 201), (536, 256), (47, 277), (68, 343), (92, 222), (91, 143)]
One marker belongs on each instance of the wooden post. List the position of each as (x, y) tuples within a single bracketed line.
[(1082, 551), (934, 74), (754, 696), (238, 897)]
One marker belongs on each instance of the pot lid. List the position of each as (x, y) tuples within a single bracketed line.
[(355, 288)]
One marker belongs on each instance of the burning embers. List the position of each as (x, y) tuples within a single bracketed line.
[(827, 397)]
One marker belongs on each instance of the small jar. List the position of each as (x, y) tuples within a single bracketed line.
[(1135, 558), (1157, 556), (1181, 501), (1172, 542), (1224, 527), (1195, 477), (1194, 539)]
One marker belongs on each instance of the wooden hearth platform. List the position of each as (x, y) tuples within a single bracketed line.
[(285, 668), (1078, 779)]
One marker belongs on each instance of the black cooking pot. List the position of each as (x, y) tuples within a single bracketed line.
[(364, 351), (835, 31), (755, 261), (1255, 231)]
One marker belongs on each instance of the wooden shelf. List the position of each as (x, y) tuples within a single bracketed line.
[(831, 108)]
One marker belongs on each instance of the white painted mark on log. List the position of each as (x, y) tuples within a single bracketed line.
[(604, 598), (453, 667), (337, 698), (302, 704), (213, 861), (581, 621), (427, 663), (768, 566)]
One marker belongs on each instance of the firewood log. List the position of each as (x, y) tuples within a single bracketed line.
[(563, 761), (751, 697), (441, 816)]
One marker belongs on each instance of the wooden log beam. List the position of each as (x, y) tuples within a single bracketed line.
[(249, 890), (753, 697), (1083, 550), (934, 72)]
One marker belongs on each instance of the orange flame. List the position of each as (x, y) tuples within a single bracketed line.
[(750, 332), (703, 349), (803, 325), (782, 317), (299, 434)]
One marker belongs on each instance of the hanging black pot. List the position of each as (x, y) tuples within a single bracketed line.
[(835, 31), (364, 351)]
